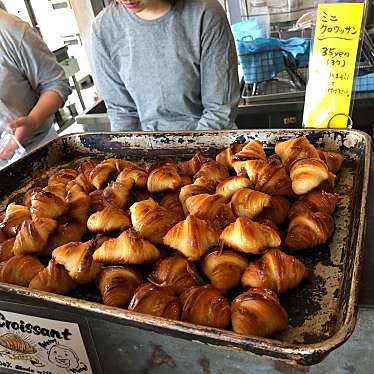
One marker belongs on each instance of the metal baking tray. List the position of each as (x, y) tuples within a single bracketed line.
[(322, 310)]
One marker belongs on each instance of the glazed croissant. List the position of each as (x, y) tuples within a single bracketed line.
[(251, 151), (33, 236), (117, 284), (80, 204), (274, 270), (77, 259), (206, 306), (97, 202), (211, 208), (156, 301), (277, 212), (192, 166), (164, 178), (57, 189), (295, 149), (117, 194), (54, 278), (45, 204), (134, 174), (19, 270), (224, 269), (66, 233), (172, 203), (192, 190), (108, 220), (128, 248), (249, 203), (333, 160), (84, 182), (226, 156), (258, 312), (229, 186), (26, 201), (308, 230), (62, 176), (247, 236), (15, 215), (307, 174), (87, 166), (192, 237), (103, 172), (175, 272), (212, 170), (151, 220), (6, 249), (314, 201)]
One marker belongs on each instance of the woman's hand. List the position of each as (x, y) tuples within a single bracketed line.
[(24, 126)]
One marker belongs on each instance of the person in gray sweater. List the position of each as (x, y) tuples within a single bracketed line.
[(32, 84), (165, 65)]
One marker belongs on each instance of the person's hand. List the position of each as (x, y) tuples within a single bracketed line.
[(8, 150), (23, 126)]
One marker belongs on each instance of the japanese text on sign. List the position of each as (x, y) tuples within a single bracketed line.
[(332, 64)]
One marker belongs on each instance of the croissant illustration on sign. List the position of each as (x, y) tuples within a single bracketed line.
[(16, 343)]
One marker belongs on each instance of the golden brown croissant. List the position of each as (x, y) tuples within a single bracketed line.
[(314, 201), (135, 174), (6, 249), (192, 237), (62, 176), (117, 194), (15, 215), (258, 312), (224, 269), (172, 203), (103, 172), (185, 180), (295, 149), (87, 166), (249, 203), (156, 301), (277, 212), (164, 178), (58, 189), (211, 208), (226, 156), (33, 236), (192, 190), (175, 272), (308, 230), (274, 270), (212, 170), (152, 165), (328, 185), (333, 160), (251, 151), (66, 233), (117, 284), (240, 168), (206, 306), (97, 202), (151, 220), (108, 220), (247, 236), (54, 278), (47, 205), (139, 195), (210, 184), (77, 259), (228, 186), (83, 181), (19, 270), (307, 174), (80, 204), (128, 248), (192, 166), (26, 201)]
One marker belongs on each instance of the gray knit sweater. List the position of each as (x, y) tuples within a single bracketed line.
[(178, 72)]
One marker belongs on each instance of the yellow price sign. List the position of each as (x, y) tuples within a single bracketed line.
[(332, 65)]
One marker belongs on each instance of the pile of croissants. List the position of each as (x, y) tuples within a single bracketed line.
[(202, 240)]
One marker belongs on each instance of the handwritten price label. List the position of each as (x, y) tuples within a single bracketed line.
[(332, 65)]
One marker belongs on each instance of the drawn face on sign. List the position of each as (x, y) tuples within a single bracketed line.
[(63, 357)]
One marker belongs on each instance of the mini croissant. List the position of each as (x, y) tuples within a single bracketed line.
[(102, 173), (156, 301), (19, 270), (274, 270), (247, 236), (211, 208), (192, 166), (172, 203), (77, 259), (277, 212), (226, 156), (108, 220), (212, 170), (84, 182), (175, 272), (97, 202), (134, 174), (58, 189), (206, 306), (15, 215), (308, 230), (87, 166), (54, 278), (66, 233), (117, 284), (258, 312), (229, 186), (151, 220), (164, 178), (128, 248), (117, 194), (33, 236), (191, 190), (333, 160), (224, 269), (192, 237), (45, 204), (251, 151), (80, 204), (62, 176), (6, 249), (249, 203), (26, 201)]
